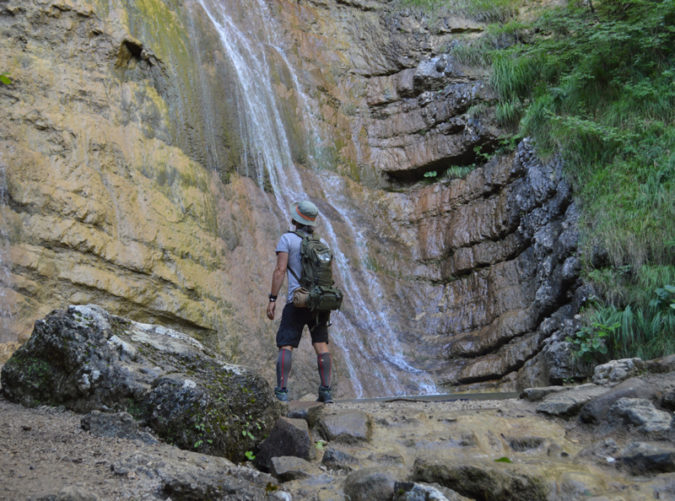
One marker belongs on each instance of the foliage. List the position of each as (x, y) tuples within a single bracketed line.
[(596, 83), (480, 10), (646, 332), (4, 79), (589, 343)]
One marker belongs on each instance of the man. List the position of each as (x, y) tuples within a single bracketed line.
[(294, 319)]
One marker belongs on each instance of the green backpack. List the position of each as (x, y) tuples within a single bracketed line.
[(317, 291)]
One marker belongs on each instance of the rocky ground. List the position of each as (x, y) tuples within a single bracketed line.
[(47, 455), (114, 409)]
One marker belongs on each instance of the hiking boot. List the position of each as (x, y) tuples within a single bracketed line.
[(281, 394), (325, 395)]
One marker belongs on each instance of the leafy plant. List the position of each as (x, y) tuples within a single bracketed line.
[(4, 79), (589, 342), (249, 455)]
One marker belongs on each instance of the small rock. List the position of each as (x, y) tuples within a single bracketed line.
[(369, 484), (345, 426), (536, 394), (286, 468), (336, 459), (414, 491)]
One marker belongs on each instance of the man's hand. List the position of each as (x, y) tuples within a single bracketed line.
[(271, 308), (277, 279)]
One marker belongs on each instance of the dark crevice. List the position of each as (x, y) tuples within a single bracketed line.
[(465, 158)]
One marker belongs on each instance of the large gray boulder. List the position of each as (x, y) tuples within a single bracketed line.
[(86, 359)]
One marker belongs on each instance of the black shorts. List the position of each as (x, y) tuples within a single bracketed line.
[(293, 321)]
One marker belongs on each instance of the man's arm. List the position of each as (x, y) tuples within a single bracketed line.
[(277, 280)]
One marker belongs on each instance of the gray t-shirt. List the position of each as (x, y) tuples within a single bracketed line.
[(290, 243)]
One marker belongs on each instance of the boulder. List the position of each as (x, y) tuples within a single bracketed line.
[(615, 371), (336, 459), (86, 359), (289, 437), (595, 411)]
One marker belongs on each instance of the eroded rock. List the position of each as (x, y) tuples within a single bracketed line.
[(616, 371), (641, 413)]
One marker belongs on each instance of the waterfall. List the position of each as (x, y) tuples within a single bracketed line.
[(5, 307), (361, 331)]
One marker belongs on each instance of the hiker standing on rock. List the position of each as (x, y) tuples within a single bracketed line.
[(311, 296)]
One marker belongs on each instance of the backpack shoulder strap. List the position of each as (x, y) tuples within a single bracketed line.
[(301, 235)]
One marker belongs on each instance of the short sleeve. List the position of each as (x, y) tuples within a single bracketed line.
[(284, 244)]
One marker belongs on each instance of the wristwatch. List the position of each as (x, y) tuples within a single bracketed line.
[(272, 298)]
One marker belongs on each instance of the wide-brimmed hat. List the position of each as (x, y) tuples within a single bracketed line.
[(304, 212)]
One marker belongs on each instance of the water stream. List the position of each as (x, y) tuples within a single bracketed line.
[(5, 307), (361, 331)]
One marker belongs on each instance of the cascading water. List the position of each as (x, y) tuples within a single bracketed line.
[(362, 332)]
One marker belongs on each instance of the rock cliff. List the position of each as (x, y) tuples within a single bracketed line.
[(128, 184)]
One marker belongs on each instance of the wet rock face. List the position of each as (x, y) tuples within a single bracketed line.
[(87, 360)]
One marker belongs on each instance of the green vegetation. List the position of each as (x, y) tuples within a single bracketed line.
[(597, 86), (5, 80), (594, 81), (480, 10)]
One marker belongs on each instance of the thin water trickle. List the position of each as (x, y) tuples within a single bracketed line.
[(5, 277), (363, 333)]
